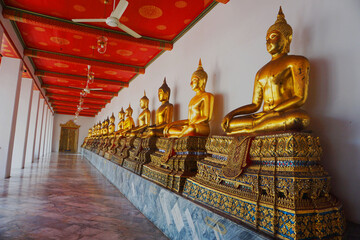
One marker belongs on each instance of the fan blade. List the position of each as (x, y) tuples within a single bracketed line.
[(94, 89), (77, 88), (89, 20), (85, 108), (120, 9), (129, 31)]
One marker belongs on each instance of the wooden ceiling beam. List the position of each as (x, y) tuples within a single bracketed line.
[(37, 53), (40, 20), (75, 109), (71, 113), (82, 79), (99, 92), (75, 106), (77, 98), (222, 1), (94, 105)]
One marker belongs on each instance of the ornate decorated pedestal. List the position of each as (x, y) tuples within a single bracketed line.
[(140, 154), (114, 144), (100, 144), (272, 182), (174, 161), (123, 150), (105, 146)]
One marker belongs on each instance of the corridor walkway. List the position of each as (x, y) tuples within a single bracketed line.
[(64, 197)]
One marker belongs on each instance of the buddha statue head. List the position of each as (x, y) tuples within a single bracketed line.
[(112, 118), (199, 79), (144, 101), (112, 125), (279, 35), (129, 111), (121, 114), (164, 92)]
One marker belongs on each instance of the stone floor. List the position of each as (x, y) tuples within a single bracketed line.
[(64, 197)]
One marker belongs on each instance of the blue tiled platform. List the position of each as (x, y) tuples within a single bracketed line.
[(174, 215)]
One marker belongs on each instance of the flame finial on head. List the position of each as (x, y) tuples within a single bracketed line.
[(200, 73), (165, 87), (281, 25)]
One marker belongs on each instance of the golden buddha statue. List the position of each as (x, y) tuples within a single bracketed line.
[(112, 124), (121, 117), (128, 123), (93, 132), (282, 85), (89, 133), (200, 110), (164, 113), (105, 128), (99, 130), (144, 117)]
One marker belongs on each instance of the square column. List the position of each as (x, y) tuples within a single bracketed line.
[(10, 79), (50, 132), (39, 129), (32, 127), (46, 143), (22, 123), (43, 134)]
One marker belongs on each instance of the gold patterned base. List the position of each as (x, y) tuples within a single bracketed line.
[(140, 154), (284, 190), (324, 223), (175, 161)]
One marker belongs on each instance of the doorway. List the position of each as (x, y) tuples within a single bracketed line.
[(69, 137)]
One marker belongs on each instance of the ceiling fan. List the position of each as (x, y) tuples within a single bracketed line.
[(113, 19), (87, 90)]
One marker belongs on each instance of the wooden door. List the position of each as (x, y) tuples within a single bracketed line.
[(69, 137)]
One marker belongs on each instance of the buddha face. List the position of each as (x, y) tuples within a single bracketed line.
[(275, 42), (197, 84), (143, 103), (128, 113), (121, 115), (163, 96)]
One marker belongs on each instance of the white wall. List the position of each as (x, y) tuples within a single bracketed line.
[(84, 122), (231, 42)]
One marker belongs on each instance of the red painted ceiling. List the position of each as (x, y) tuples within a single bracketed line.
[(61, 50)]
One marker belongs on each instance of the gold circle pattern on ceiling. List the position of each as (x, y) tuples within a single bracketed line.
[(109, 72), (180, 4), (61, 41), (124, 19), (161, 27), (61, 65), (150, 12), (124, 53), (79, 8), (77, 36), (40, 29)]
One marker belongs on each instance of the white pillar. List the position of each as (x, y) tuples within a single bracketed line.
[(38, 130), (43, 135), (22, 123), (47, 133), (10, 79), (50, 132), (32, 127)]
